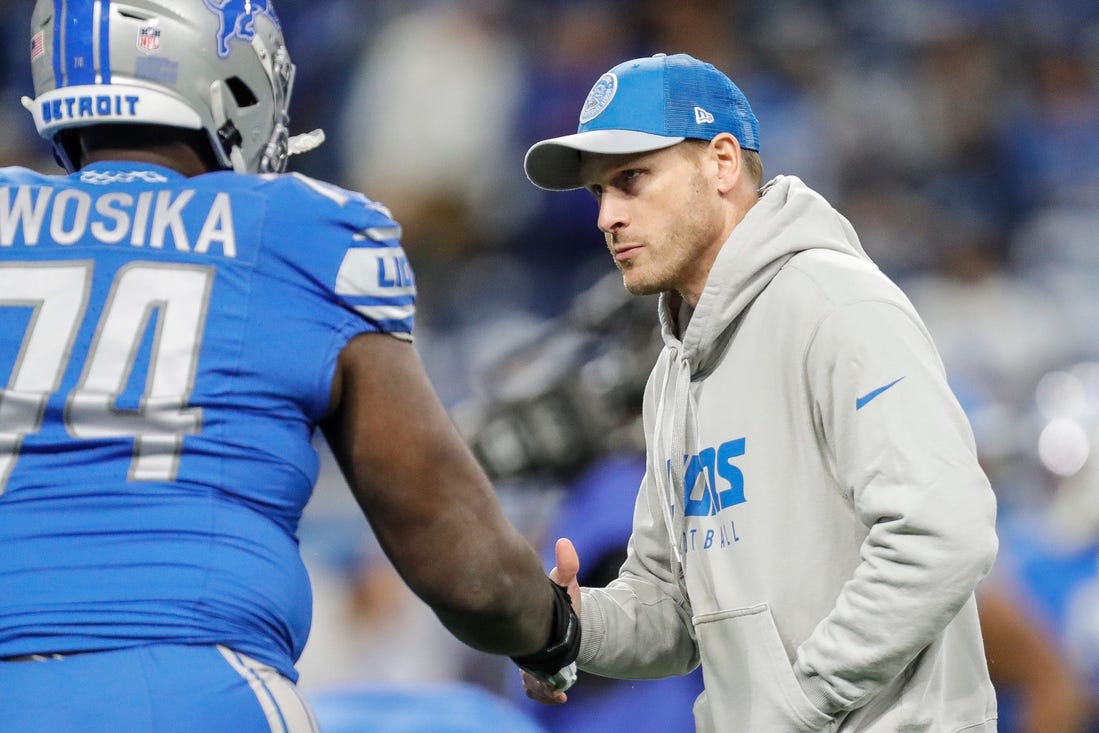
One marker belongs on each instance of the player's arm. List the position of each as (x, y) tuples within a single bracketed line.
[(432, 507), (1024, 658)]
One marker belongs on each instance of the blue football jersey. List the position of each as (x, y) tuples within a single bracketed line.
[(167, 348)]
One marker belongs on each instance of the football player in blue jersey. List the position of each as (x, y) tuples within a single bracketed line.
[(177, 318)]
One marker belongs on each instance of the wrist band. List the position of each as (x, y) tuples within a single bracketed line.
[(564, 640)]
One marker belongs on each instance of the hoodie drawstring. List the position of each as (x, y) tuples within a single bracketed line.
[(674, 409)]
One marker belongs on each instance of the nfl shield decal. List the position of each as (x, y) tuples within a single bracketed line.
[(148, 38)]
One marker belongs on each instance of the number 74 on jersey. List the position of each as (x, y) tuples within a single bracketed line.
[(57, 295)]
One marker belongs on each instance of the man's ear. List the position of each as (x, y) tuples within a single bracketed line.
[(730, 163)]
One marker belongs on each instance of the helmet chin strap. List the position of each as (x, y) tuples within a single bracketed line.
[(228, 146), (237, 157)]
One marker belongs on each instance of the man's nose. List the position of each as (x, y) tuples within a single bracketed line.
[(612, 214)]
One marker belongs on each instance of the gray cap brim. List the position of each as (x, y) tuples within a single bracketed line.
[(554, 164)]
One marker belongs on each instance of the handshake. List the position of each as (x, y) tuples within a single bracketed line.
[(551, 671), (560, 681)]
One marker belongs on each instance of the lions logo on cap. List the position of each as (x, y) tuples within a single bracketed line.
[(599, 97)]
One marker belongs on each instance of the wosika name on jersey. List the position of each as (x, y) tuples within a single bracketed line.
[(154, 219)]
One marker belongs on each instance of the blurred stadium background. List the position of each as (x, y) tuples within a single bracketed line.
[(961, 137)]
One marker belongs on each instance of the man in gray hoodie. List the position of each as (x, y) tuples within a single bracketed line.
[(813, 520)]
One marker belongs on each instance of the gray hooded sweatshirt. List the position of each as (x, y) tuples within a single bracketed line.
[(813, 521)]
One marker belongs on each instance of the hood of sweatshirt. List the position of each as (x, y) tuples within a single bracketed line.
[(789, 218)]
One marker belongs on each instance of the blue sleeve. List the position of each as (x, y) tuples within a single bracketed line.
[(360, 262)]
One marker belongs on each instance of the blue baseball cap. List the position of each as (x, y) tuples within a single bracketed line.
[(642, 105)]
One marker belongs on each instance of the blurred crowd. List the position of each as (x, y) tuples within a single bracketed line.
[(960, 137)]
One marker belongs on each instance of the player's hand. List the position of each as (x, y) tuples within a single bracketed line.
[(564, 573), (541, 691)]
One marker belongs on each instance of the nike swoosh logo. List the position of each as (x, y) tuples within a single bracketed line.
[(861, 402)]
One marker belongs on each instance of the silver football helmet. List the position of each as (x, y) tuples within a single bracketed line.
[(214, 65)]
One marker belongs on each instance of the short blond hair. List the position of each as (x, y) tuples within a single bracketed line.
[(754, 164)]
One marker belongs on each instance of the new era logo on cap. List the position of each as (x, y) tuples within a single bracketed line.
[(642, 105)]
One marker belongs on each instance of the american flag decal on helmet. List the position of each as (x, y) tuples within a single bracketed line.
[(38, 45)]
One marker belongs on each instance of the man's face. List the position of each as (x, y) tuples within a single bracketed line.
[(661, 214)]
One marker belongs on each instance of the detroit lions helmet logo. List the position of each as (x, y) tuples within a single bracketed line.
[(238, 20)]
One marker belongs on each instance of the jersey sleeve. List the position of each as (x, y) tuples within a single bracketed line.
[(360, 261), (375, 280)]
